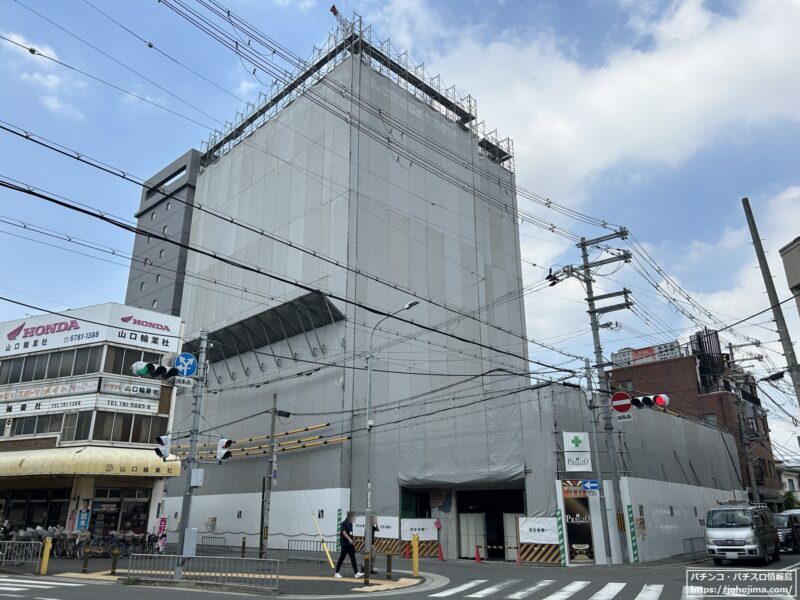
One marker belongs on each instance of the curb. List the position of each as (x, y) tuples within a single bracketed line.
[(431, 581)]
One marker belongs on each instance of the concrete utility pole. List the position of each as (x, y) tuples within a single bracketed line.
[(266, 498), (777, 311), (608, 426), (599, 472), (744, 434), (191, 459)]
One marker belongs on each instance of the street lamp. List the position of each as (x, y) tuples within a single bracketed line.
[(368, 511)]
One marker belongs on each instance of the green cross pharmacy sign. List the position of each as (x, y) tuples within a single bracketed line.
[(577, 453)]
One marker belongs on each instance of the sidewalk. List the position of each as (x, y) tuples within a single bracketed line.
[(296, 577)]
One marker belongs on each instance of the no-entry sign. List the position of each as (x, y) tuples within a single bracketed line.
[(621, 401)]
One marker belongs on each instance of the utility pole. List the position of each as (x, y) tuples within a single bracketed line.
[(599, 472), (744, 433), (594, 312), (777, 311), (266, 497), (191, 459)]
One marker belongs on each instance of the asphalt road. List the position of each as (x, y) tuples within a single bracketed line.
[(451, 580)]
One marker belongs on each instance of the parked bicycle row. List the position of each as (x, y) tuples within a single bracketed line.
[(78, 544)]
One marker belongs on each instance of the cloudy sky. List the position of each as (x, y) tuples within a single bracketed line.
[(657, 115)]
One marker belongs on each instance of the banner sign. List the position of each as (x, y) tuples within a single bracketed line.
[(128, 388), (538, 530), (28, 392), (577, 461), (111, 322), (388, 528), (72, 404), (425, 528), (576, 441)]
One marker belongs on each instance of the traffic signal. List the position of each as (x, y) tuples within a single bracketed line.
[(163, 442), (653, 400), (153, 370), (222, 449)]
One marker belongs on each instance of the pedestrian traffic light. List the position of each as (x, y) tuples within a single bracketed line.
[(222, 449), (653, 400), (153, 370), (163, 442)]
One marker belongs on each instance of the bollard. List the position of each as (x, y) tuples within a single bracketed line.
[(415, 555), (48, 544), (367, 568), (114, 559), (388, 565), (244, 545), (85, 565)]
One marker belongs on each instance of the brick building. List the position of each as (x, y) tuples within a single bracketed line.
[(693, 380)]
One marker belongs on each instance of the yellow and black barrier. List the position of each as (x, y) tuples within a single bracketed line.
[(540, 553)]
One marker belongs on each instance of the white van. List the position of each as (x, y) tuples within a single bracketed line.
[(740, 533)]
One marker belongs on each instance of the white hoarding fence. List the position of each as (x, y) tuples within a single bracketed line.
[(538, 530), (388, 528), (425, 528)]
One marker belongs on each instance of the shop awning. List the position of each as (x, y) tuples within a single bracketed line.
[(88, 460)]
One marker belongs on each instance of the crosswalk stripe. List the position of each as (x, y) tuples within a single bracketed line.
[(608, 591), (524, 593), (567, 590), (460, 588), (493, 589), (6, 588), (37, 582), (650, 592)]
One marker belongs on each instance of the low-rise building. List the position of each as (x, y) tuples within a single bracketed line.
[(697, 381), (78, 430)]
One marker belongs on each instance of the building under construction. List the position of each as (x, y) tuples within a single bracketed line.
[(359, 185)]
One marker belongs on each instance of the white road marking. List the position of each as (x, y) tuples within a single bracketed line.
[(41, 582), (650, 592), (568, 590), (458, 589), (493, 589), (12, 595), (524, 593), (8, 588), (608, 591)]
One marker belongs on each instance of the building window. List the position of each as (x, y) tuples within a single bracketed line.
[(119, 360), (791, 485), (112, 427), (158, 278), (169, 204), (146, 429), (148, 239), (626, 385), (141, 286), (161, 253), (153, 215), (771, 468), (155, 303), (164, 230), (710, 419), (76, 426)]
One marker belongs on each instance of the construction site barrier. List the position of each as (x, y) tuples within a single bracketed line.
[(213, 544), (380, 545), (540, 553)]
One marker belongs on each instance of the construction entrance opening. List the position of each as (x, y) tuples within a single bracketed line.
[(487, 522)]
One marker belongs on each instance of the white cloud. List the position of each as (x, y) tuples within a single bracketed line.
[(54, 104), (702, 73), (246, 87), (24, 53), (49, 81)]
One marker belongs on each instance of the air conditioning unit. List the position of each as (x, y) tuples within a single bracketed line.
[(211, 523)]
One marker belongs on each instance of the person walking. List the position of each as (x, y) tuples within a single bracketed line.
[(348, 546)]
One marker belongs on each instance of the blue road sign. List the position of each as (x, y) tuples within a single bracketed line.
[(590, 485), (186, 364)]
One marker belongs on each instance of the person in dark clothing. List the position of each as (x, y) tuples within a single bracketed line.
[(348, 547)]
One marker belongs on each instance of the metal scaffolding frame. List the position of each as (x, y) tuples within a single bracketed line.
[(354, 39)]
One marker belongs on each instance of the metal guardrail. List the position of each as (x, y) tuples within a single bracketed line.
[(696, 546), (22, 555), (310, 549), (215, 543), (259, 573)]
